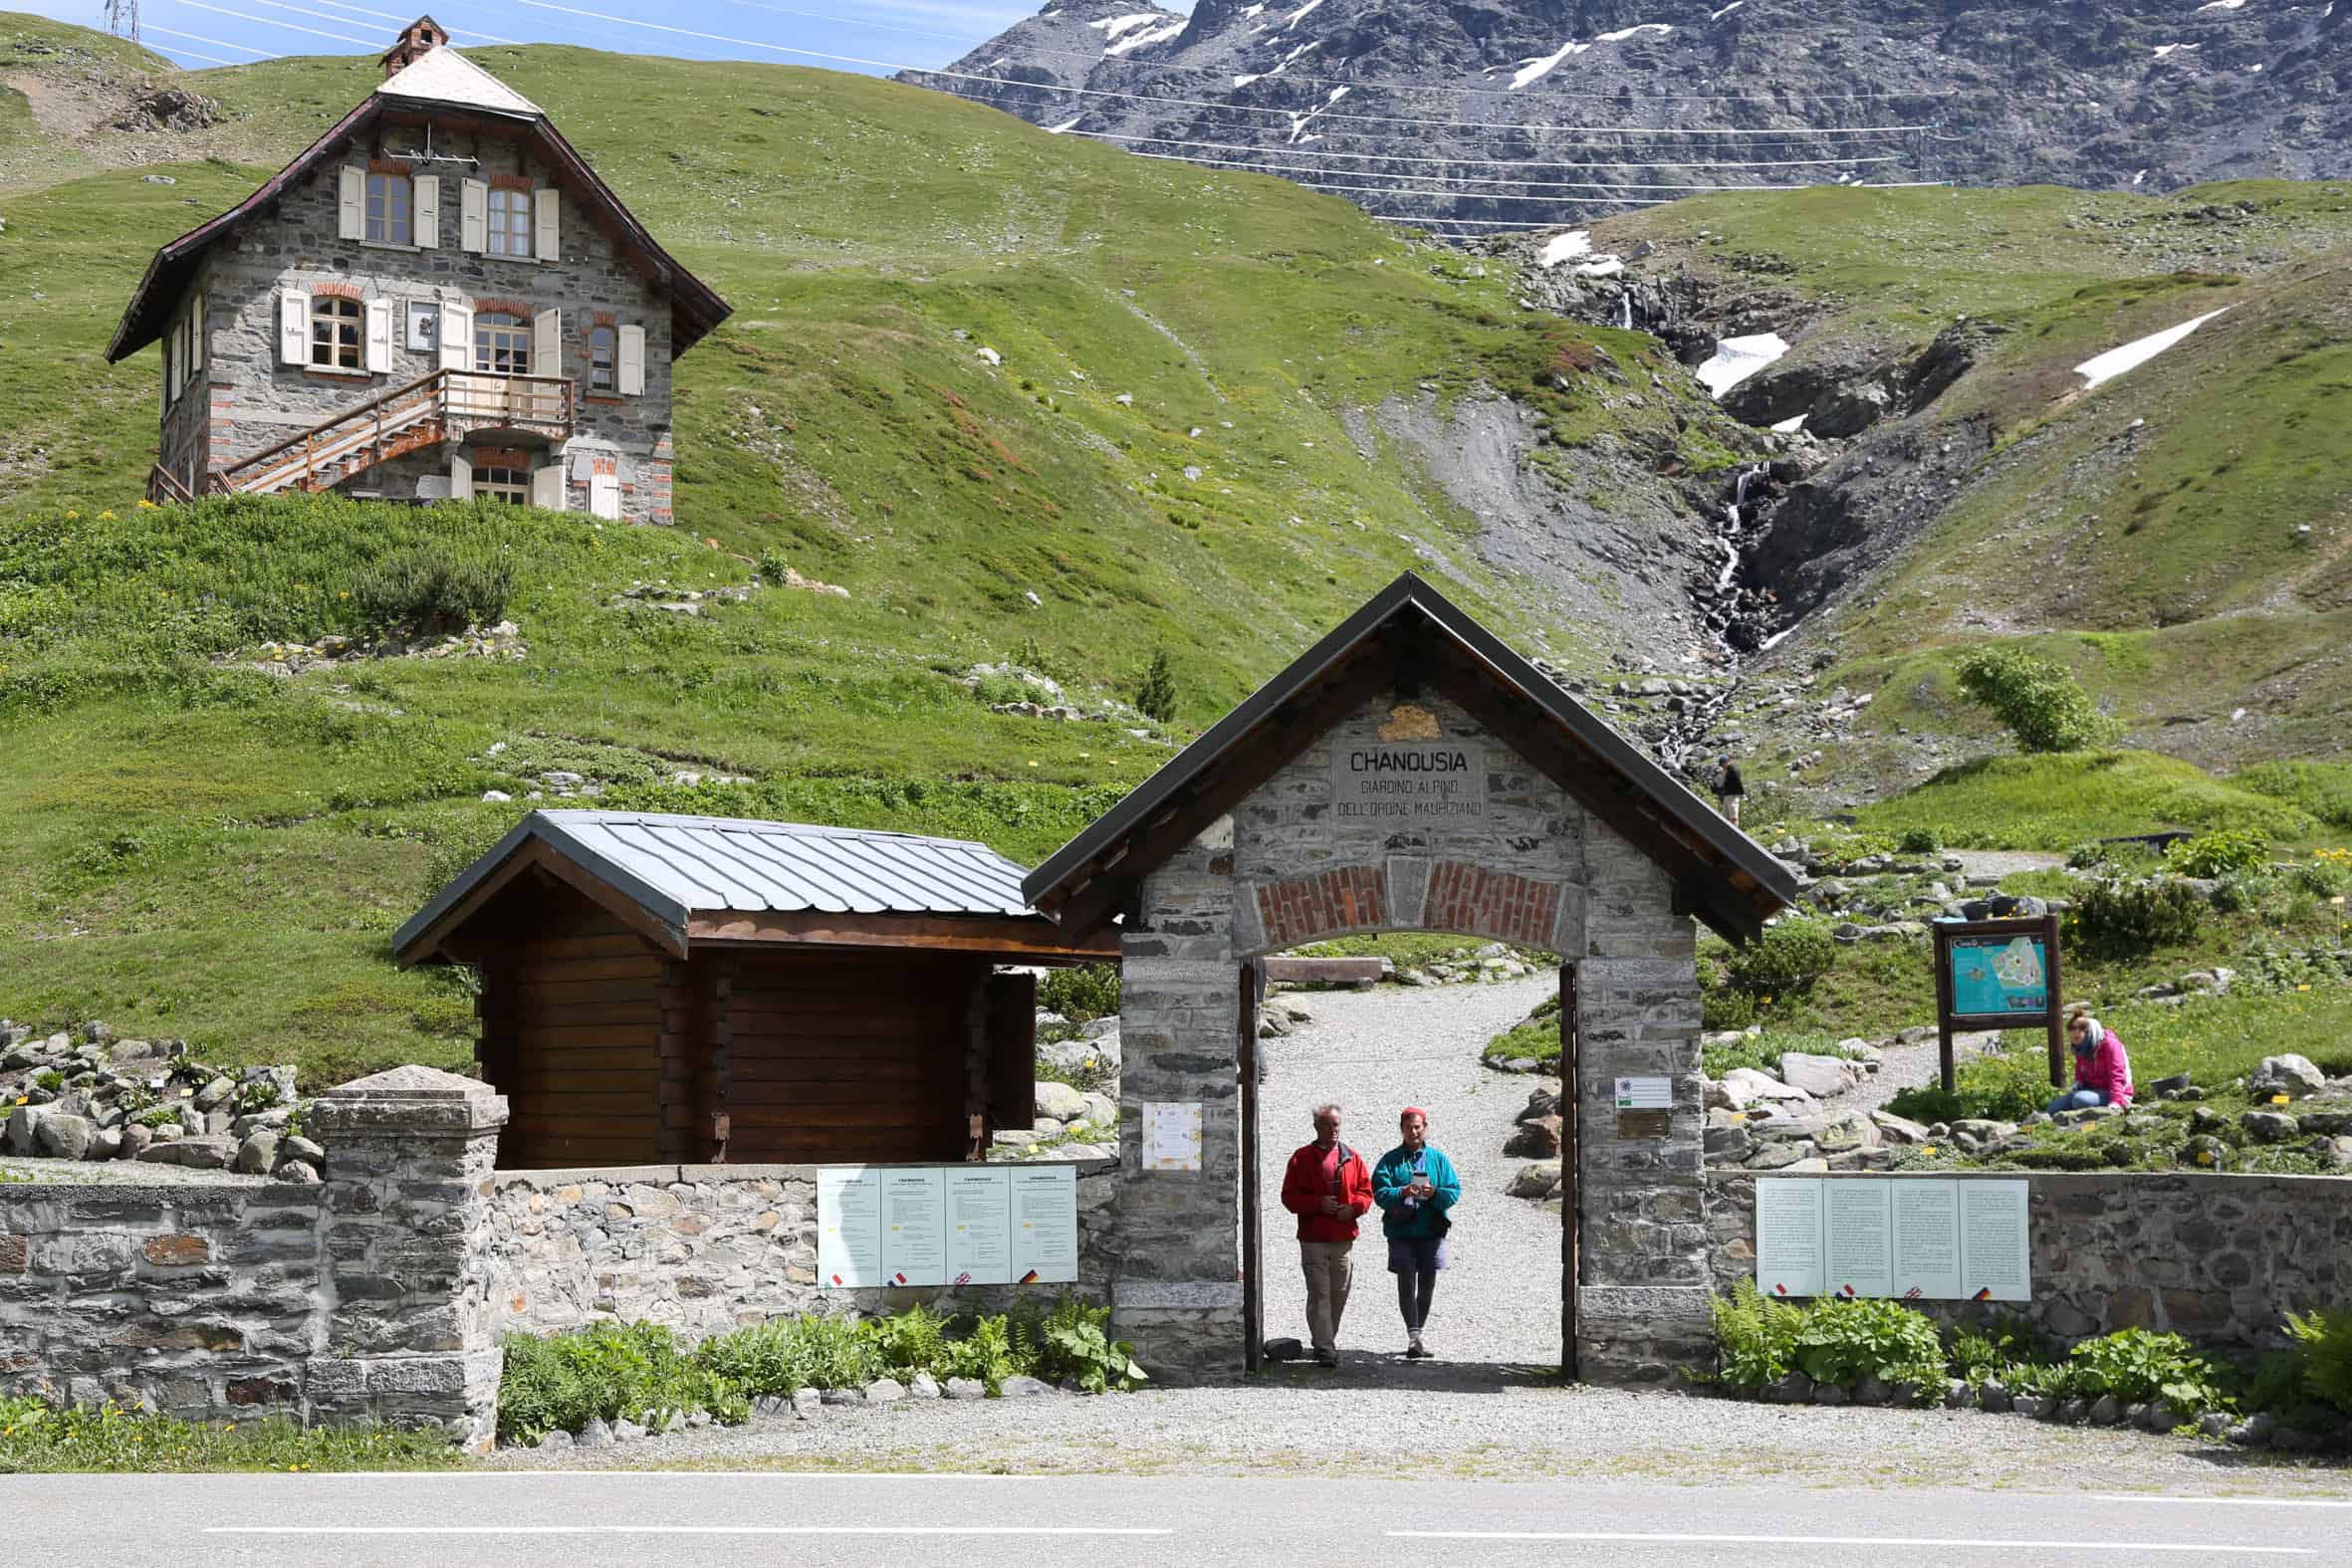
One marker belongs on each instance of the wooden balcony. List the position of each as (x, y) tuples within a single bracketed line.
[(445, 405)]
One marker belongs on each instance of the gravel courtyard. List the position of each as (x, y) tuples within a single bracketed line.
[(1376, 1051)]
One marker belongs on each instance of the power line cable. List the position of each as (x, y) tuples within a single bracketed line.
[(180, 49), (472, 34), (1399, 157), (218, 42), (271, 21), (1470, 180)]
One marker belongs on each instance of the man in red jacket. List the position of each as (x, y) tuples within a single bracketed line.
[(1328, 1187)]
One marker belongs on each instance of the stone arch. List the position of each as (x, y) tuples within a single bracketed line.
[(1405, 893)]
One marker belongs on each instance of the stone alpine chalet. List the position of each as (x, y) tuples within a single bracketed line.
[(438, 300)]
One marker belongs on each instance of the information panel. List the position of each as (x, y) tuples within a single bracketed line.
[(1406, 782), (1921, 1240), (1999, 976), (956, 1224), (1045, 1225), (980, 1226), (1172, 1135), (914, 1227), (848, 1227)]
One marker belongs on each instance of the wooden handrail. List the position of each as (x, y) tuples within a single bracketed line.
[(302, 438), (164, 481), (455, 396)]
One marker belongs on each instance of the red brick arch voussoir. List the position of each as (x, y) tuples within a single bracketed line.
[(1463, 897)]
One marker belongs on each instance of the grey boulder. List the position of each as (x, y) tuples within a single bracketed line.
[(64, 1137)]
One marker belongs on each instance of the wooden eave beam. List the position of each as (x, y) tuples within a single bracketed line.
[(539, 855), (1008, 939)]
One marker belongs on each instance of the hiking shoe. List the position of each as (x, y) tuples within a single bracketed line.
[(1326, 1358), (1416, 1352)]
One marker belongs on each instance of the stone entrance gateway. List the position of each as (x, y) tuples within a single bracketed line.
[(1410, 772)]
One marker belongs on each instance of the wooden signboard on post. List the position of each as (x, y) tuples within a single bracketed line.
[(1999, 974)]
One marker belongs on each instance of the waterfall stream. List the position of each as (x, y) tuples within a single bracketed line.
[(1734, 618)]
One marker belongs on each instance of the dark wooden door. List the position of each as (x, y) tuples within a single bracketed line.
[(1246, 1060), (1571, 1223)]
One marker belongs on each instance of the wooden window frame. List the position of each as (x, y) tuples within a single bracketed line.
[(347, 321), (376, 225), (508, 228), (519, 326)]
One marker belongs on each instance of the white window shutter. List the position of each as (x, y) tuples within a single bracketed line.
[(171, 366), (379, 336), (294, 326), (630, 372), (197, 334), (350, 210), (547, 487), (547, 344), (474, 216), (461, 478), (605, 495), (457, 337), (426, 212), (546, 205)]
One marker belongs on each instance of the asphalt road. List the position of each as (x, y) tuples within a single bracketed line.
[(563, 1519)]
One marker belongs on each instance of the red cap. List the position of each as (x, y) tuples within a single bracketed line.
[(1412, 1110)]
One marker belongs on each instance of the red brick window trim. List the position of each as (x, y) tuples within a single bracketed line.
[(515, 308), (337, 291), (499, 457), (1301, 909), (388, 166), (510, 182), (603, 318)]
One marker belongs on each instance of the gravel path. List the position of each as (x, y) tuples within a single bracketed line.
[(1376, 1051), (2004, 862)]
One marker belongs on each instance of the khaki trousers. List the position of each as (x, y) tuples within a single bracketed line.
[(1330, 1270)]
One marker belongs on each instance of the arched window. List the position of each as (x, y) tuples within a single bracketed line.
[(388, 209), (510, 485), (338, 332), (509, 232), (604, 350), (502, 344)]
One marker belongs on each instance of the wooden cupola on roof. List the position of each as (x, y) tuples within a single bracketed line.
[(417, 40)]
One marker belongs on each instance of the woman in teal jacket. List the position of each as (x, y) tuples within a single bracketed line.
[(1416, 1188)]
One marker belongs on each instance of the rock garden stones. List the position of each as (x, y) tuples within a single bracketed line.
[(2292, 1075)]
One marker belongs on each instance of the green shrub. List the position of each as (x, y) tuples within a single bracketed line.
[(2087, 856), (1844, 1341), (1082, 994), (2040, 701), (49, 1078), (1725, 1010), (2116, 921), (2219, 854), (2322, 788), (431, 589), (609, 1369), (1788, 957), (996, 1349), (2139, 1367), (1075, 1344), (1919, 841), (37, 1437), (2002, 1341), (787, 1354), (1155, 693), (2325, 1340), (1755, 1336)]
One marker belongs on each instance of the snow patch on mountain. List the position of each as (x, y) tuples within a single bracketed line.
[(1565, 247), (1737, 358), (2107, 367), (1157, 35)]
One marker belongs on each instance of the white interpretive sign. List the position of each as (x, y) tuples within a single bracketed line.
[(914, 1227), (1401, 781), (848, 1227), (1924, 1238), (1172, 1135), (1787, 1236), (1927, 1241), (980, 1226), (1857, 1240), (1645, 1094), (1044, 1234), (1996, 1241)]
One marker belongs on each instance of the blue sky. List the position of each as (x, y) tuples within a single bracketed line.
[(204, 33)]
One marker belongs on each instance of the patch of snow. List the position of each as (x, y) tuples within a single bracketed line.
[(1055, 130), (1717, 16), (2140, 178), (1624, 33), (1604, 267), (1300, 15), (1242, 82), (2164, 50), (2223, 5), (1253, 10), (1135, 41), (1737, 358), (1531, 70), (1565, 247), (2258, 71), (1339, 92), (1113, 26), (2107, 367), (1793, 426), (991, 355)]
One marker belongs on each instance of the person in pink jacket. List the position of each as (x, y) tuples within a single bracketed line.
[(2102, 1072)]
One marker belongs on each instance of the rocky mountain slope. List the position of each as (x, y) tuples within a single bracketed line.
[(1550, 111)]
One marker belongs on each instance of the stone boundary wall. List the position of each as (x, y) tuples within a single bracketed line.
[(703, 1249), (2215, 1258)]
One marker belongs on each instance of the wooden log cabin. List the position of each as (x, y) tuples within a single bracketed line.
[(660, 988)]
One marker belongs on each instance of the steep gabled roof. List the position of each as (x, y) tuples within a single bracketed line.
[(442, 81), (1411, 634), (683, 881)]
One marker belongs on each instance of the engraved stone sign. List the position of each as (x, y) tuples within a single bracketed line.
[(1407, 782)]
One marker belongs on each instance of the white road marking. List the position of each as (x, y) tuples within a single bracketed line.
[(791, 1475), (1680, 1538), (2234, 1502), (675, 1529)]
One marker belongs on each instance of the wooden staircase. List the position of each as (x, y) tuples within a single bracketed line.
[(428, 411)]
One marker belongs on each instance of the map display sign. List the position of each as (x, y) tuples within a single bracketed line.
[(1407, 782), (1996, 975), (1916, 1238), (901, 1226)]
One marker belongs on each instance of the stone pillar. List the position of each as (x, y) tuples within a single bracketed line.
[(407, 1246), (1177, 1292)]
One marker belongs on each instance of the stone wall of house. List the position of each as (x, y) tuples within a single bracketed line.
[(1533, 868), (707, 1248), (2212, 1257), (254, 401), (206, 1295)]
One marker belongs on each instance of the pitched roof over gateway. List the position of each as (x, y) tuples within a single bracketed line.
[(441, 84), (1411, 634), (688, 880)]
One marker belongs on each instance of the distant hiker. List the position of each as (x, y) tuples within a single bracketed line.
[(1416, 1188), (2102, 1072), (1729, 788), (1328, 1187)]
